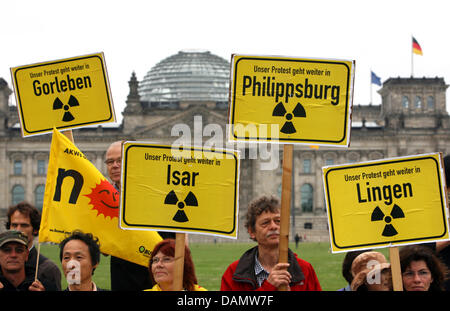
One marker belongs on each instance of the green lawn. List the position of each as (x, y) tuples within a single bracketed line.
[(211, 260)]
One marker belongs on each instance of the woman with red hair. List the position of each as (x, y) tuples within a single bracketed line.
[(161, 266)]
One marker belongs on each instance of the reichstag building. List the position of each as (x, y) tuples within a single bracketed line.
[(194, 86)]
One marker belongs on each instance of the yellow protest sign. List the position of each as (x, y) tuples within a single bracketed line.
[(67, 93), (387, 202), (291, 100), (191, 190)]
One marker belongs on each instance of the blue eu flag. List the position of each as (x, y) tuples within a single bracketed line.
[(375, 79)]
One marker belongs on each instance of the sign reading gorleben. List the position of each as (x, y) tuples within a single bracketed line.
[(386, 202), (190, 190), (67, 93), (291, 100)]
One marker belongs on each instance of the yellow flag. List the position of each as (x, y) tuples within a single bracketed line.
[(77, 196)]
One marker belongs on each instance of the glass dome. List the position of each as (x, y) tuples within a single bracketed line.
[(187, 76)]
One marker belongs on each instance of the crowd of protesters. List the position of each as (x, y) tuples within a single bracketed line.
[(423, 266)]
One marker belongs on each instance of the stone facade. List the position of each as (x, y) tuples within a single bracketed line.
[(412, 119)]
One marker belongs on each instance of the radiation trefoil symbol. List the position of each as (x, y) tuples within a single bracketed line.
[(190, 200), (58, 104), (389, 229), (280, 111)]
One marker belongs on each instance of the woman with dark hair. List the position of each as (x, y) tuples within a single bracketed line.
[(421, 269), (161, 266)]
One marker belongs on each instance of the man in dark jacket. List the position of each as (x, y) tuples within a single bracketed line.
[(26, 218), (125, 275), (258, 268), (13, 255)]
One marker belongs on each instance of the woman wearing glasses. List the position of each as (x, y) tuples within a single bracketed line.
[(161, 267), (421, 269)]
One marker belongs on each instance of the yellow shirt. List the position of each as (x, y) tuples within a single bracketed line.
[(197, 288)]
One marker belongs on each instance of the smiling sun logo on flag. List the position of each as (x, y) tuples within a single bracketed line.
[(105, 199)]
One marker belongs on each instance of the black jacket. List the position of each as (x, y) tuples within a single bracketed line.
[(29, 279)]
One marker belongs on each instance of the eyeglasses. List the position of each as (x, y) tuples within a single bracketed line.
[(421, 273), (110, 162), (163, 260)]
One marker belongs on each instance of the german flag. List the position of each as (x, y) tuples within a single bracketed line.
[(416, 47)]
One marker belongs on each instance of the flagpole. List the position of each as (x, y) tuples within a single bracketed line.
[(412, 57), (37, 260), (371, 86)]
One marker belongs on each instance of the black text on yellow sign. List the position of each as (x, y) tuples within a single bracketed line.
[(65, 94), (279, 99), (387, 202), (191, 190)]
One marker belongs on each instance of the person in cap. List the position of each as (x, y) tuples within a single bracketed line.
[(371, 272), (347, 268), (13, 255), (259, 267), (26, 218)]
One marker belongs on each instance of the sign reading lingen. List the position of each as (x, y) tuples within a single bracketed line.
[(193, 190), (290, 100), (386, 202), (65, 94)]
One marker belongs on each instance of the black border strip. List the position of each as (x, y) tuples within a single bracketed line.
[(19, 102), (390, 241), (289, 139), (174, 227)]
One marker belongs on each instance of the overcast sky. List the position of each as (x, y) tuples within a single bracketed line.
[(136, 35)]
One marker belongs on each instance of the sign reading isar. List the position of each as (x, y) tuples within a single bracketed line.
[(65, 94), (386, 202), (194, 190)]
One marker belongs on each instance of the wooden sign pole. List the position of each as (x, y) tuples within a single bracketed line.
[(286, 185), (180, 242), (396, 270), (68, 134)]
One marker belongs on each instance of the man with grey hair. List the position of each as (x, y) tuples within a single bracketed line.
[(258, 268)]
